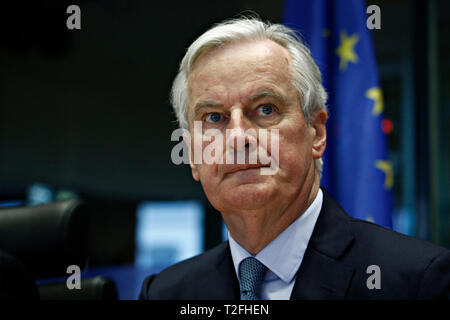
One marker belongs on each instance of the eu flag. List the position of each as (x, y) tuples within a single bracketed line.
[(356, 168)]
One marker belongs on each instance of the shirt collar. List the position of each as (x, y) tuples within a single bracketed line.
[(284, 254)]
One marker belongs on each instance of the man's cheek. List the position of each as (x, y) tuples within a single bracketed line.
[(291, 159), (272, 145), (208, 173), (213, 150)]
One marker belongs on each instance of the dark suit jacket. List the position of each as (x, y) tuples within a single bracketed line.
[(334, 266)]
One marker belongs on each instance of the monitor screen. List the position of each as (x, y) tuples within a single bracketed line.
[(168, 232)]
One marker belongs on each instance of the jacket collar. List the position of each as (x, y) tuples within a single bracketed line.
[(332, 233), (221, 283), (322, 275)]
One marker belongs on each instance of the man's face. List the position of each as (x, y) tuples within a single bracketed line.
[(248, 86)]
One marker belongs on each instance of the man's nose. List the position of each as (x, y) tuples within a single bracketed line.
[(240, 132)]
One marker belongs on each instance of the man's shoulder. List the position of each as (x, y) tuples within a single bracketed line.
[(197, 265), (389, 243), (409, 267), (183, 275), (377, 240)]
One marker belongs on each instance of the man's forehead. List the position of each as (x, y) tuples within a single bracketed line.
[(242, 60), (248, 51), (242, 71)]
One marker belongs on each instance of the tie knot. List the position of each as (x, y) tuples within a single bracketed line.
[(251, 273)]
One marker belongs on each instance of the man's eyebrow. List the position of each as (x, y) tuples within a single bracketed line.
[(260, 94), (266, 94), (205, 104)]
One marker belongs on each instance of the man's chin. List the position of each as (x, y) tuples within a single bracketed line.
[(249, 196)]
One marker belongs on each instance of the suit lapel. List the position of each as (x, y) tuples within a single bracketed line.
[(321, 278), (321, 275), (221, 283)]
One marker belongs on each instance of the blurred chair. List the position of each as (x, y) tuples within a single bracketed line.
[(47, 239), (16, 282)]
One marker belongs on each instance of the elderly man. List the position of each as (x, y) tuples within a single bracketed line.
[(288, 239)]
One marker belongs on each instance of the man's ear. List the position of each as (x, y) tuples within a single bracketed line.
[(318, 122), (194, 167)]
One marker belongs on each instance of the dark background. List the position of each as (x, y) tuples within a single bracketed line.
[(88, 110)]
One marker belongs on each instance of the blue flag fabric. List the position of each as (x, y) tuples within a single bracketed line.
[(356, 170)]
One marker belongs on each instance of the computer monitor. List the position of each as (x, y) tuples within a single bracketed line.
[(168, 232)]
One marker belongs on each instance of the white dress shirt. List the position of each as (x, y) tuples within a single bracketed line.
[(283, 255)]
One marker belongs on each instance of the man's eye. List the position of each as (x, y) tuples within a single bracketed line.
[(213, 117), (266, 110)]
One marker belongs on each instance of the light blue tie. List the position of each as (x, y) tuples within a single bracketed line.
[(251, 273)]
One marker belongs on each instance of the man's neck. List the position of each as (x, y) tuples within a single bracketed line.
[(254, 232)]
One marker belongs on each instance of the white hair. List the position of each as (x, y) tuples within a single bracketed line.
[(306, 77)]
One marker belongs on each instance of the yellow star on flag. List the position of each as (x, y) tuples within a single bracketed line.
[(376, 95), (346, 50), (386, 167)]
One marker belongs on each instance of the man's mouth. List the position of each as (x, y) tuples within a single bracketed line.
[(243, 167)]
